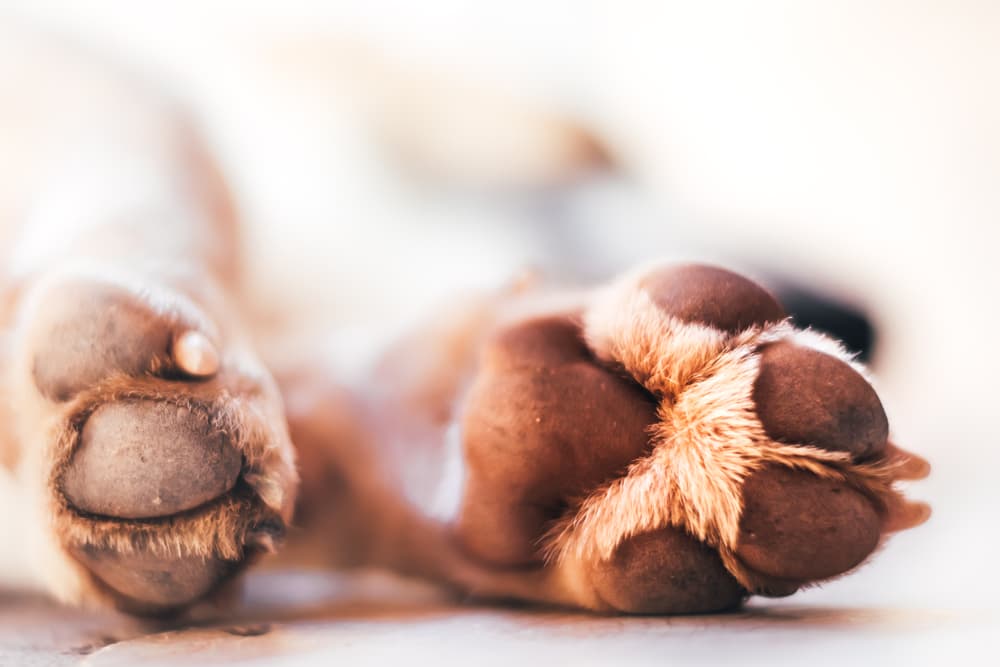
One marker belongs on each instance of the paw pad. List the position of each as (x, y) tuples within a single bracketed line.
[(149, 584), (665, 571), (548, 424), (88, 331), (798, 527), (807, 397), (147, 459), (710, 296)]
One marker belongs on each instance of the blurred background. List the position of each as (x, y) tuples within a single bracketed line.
[(388, 154)]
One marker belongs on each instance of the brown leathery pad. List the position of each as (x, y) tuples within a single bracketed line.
[(806, 397), (144, 459)]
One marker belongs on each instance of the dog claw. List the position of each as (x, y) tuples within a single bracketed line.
[(196, 355)]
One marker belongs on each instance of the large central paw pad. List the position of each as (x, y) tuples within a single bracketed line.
[(172, 468), (146, 459), (675, 449)]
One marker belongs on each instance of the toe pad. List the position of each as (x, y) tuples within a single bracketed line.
[(146, 459), (807, 397), (799, 527), (665, 572), (152, 584)]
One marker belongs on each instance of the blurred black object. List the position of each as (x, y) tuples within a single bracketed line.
[(845, 322), (571, 247)]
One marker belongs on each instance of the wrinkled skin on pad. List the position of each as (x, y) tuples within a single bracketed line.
[(546, 423), (147, 459)]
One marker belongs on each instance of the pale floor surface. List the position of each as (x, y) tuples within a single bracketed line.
[(298, 619)]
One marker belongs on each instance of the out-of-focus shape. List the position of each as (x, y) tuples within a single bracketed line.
[(447, 129)]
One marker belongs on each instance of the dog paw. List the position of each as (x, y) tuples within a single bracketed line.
[(675, 448), (158, 441)]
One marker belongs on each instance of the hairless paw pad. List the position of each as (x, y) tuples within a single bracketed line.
[(145, 459), (89, 332), (665, 571), (711, 296), (543, 423), (149, 584), (799, 527), (807, 397)]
